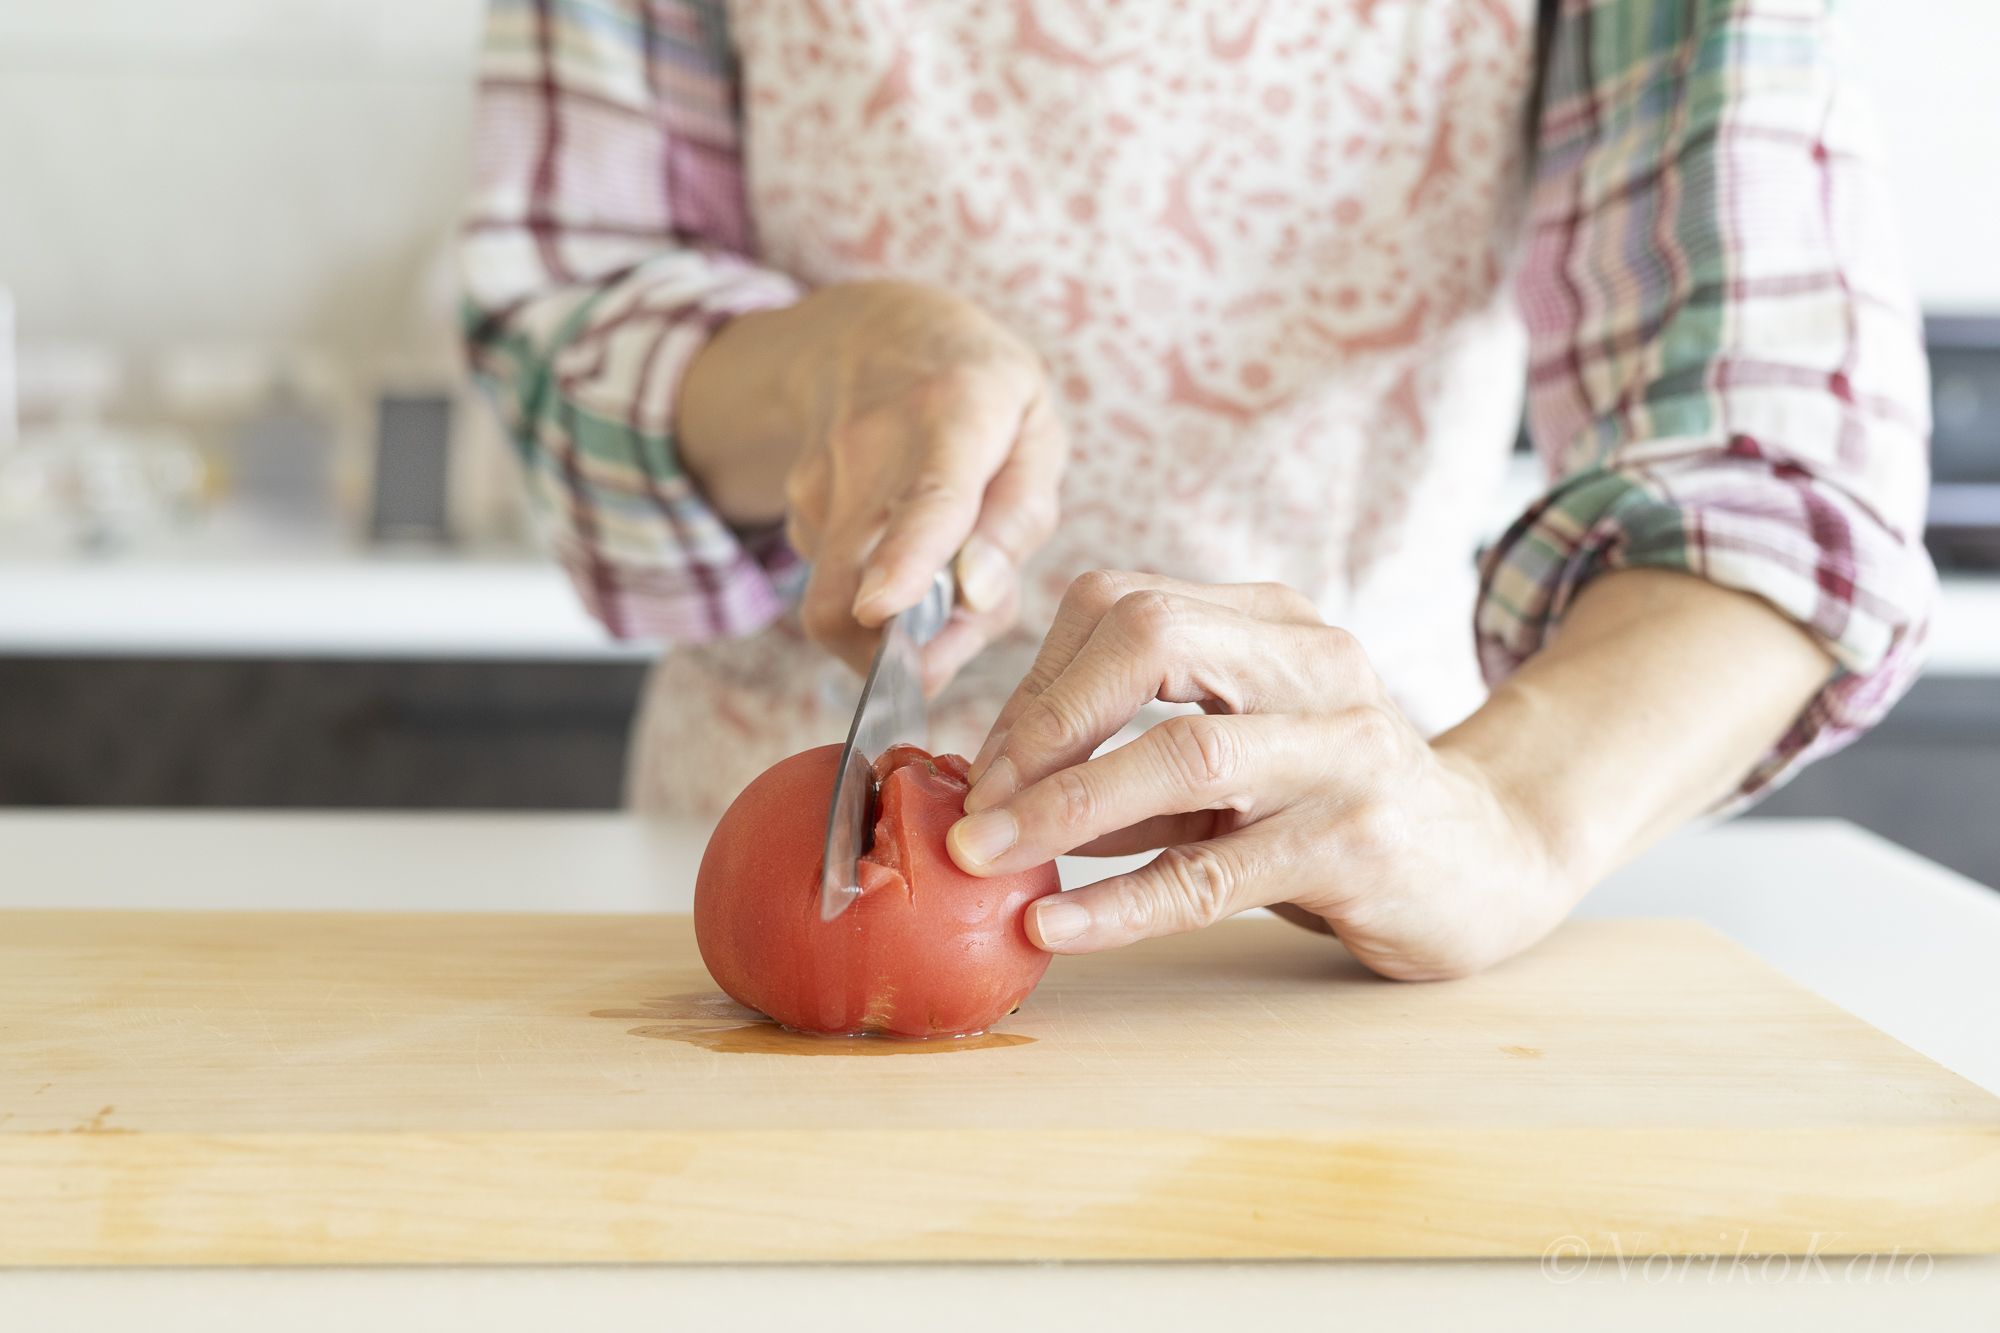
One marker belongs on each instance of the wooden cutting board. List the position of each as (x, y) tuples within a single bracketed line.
[(306, 1088)]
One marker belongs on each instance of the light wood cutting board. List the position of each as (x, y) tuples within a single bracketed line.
[(306, 1088)]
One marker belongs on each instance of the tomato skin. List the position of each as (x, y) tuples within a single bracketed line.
[(926, 950)]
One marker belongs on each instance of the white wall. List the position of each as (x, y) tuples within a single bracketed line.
[(283, 169), (255, 169), (204, 191), (1932, 64)]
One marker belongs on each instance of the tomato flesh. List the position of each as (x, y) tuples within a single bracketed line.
[(926, 950)]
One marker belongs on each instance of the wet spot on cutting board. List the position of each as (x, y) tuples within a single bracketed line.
[(714, 1022), (769, 1039)]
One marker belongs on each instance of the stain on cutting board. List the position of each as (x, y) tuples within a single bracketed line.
[(714, 1022)]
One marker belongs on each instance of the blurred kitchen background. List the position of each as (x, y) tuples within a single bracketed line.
[(259, 546)]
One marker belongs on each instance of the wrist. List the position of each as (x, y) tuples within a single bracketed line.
[(1646, 707), (1497, 753)]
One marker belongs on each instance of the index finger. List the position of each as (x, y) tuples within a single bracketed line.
[(1091, 597), (969, 425), (1244, 766)]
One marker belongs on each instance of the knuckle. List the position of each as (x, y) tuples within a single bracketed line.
[(1334, 654), (1052, 725), (1371, 729), (931, 488), (1149, 617), (1291, 604), (1205, 751), (963, 378), (1037, 682), (974, 387), (1191, 888), (1374, 830), (1370, 733), (1339, 645), (1096, 592), (1074, 804)]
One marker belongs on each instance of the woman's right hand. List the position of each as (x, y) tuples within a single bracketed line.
[(895, 428)]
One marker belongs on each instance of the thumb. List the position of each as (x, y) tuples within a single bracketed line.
[(1183, 888)]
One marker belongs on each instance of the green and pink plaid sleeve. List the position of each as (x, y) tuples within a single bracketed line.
[(1727, 373), (606, 239)]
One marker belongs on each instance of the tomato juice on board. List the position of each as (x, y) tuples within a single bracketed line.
[(771, 1039)]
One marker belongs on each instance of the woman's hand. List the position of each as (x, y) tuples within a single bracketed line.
[(1303, 788), (1301, 784), (896, 428)]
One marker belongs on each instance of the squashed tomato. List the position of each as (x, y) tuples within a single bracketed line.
[(926, 950)]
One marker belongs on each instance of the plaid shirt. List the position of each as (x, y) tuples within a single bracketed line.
[(1726, 375)]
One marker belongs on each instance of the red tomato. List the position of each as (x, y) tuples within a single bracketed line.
[(926, 950)]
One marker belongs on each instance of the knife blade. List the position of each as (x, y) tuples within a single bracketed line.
[(891, 711)]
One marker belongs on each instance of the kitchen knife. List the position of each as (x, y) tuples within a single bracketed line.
[(891, 711)]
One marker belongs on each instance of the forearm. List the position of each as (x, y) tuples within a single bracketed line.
[(1653, 699)]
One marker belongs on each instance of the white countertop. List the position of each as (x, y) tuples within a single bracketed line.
[(1903, 943), (387, 606)]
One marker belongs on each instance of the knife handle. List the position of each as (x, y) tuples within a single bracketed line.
[(922, 621)]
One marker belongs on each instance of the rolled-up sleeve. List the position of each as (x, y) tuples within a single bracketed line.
[(606, 240), (1727, 373)]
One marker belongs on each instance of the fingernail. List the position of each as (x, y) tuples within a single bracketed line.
[(1056, 921), (983, 837), (984, 574), (994, 786), (871, 585)]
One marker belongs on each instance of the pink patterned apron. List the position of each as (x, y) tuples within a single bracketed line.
[(1262, 245)]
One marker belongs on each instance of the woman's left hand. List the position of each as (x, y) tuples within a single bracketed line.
[(1300, 787)]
